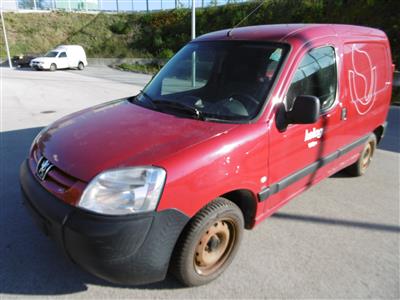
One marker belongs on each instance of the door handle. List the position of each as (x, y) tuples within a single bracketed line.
[(343, 115)]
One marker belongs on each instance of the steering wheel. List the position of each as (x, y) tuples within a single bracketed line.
[(248, 101)]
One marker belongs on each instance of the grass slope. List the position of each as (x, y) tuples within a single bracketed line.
[(39, 32), (160, 34)]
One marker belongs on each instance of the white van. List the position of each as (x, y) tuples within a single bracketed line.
[(62, 57)]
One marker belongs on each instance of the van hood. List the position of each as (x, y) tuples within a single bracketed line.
[(119, 134), (44, 59)]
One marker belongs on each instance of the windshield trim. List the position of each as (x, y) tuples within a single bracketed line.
[(266, 98)]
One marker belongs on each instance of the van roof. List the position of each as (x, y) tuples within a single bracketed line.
[(286, 32), (68, 46)]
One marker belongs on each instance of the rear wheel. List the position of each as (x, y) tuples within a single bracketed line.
[(361, 165), (209, 243), (53, 67), (81, 66)]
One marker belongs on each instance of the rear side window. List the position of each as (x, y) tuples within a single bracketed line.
[(63, 54), (315, 76)]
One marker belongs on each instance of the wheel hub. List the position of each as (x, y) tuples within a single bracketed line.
[(214, 247), (213, 243), (366, 159)]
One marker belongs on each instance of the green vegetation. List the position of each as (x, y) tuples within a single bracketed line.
[(160, 34), (151, 68), (102, 35)]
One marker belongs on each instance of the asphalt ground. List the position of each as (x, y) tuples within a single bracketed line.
[(340, 239)]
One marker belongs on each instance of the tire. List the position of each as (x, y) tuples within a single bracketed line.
[(208, 244), (360, 167), (53, 67), (81, 66)]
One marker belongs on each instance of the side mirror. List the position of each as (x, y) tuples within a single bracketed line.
[(305, 110)]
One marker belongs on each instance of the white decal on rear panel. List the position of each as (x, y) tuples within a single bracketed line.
[(362, 82)]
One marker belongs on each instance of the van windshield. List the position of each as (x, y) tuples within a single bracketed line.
[(51, 54), (226, 80)]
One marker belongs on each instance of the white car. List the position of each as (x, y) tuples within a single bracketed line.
[(62, 57)]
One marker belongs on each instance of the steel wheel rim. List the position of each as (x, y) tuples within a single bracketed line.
[(366, 158), (214, 247)]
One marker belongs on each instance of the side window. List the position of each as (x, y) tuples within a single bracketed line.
[(63, 54), (315, 76)]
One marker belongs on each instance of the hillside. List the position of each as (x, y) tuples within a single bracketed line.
[(160, 34)]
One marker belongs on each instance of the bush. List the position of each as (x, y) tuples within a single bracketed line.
[(166, 53), (119, 27)]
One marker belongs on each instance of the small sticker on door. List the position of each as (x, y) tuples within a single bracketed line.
[(315, 133)]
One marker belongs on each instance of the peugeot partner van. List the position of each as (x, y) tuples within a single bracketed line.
[(234, 126), (62, 57)]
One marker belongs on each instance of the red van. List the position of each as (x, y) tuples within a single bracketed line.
[(235, 125)]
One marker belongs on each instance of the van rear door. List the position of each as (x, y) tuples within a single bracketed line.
[(367, 83)]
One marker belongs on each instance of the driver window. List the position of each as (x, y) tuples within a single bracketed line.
[(63, 54), (315, 76)]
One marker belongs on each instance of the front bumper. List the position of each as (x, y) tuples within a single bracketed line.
[(132, 249), (38, 66)]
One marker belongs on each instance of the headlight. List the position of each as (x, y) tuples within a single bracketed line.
[(124, 191)]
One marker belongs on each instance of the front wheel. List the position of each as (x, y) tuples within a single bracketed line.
[(361, 165), (209, 243), (53, 67)]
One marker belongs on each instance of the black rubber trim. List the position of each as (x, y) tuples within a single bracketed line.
[(131, 249), (292, 178)]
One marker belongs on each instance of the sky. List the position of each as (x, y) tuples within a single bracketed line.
[(111, 5), (127, 5)]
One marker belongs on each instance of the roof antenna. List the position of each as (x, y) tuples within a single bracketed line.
[(229, 33)]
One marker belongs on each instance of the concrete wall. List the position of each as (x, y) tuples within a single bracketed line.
[(117, 61)]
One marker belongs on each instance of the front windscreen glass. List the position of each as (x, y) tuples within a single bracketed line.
[(215, 80), (51, 54)]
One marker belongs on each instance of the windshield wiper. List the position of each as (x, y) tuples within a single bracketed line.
[(146, 96), (193, 111)]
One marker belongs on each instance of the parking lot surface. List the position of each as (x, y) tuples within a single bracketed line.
[(340, 239)]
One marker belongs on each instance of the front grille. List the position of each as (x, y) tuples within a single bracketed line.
[(57, 182)]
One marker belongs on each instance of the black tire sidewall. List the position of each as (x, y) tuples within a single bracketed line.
[(190, 276), (356, 169), (81, 66)]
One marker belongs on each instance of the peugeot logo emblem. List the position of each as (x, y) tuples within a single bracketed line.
[(43, 167)]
